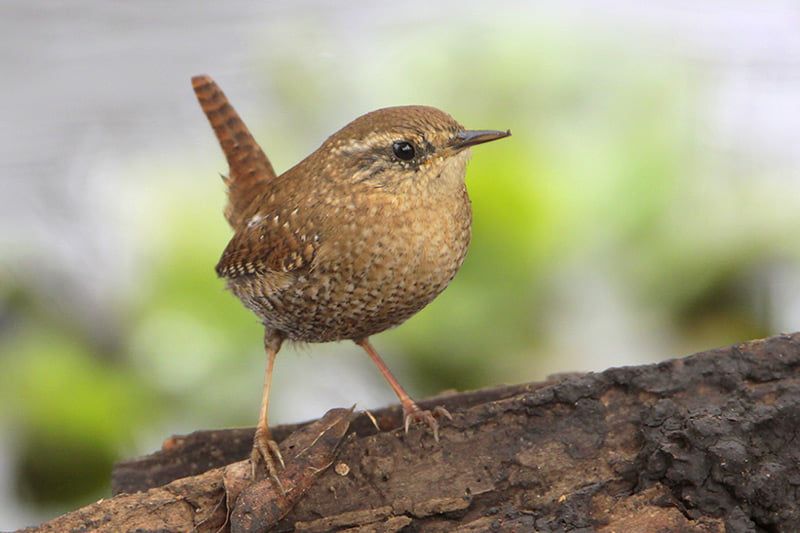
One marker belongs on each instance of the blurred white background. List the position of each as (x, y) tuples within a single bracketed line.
[(647, 206)]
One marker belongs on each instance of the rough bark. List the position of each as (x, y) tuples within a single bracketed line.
[(707, 443)]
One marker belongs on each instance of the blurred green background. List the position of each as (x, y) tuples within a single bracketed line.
[(647, 206)]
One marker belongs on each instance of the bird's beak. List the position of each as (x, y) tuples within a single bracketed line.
[(467, 138)]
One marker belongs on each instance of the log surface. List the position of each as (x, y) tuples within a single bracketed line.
[(707, 443)]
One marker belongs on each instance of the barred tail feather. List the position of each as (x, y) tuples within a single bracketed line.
[(249, 166)]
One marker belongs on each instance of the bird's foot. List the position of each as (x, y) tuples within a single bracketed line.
[(412, 413), (266, 451)]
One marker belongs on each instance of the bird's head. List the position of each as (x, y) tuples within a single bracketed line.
[(405, 149)]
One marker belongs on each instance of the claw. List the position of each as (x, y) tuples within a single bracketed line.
[(414, 414), (441, 411), (273, 447), (265, 450)]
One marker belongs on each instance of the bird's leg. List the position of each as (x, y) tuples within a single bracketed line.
[(265, 449), (411, 411)]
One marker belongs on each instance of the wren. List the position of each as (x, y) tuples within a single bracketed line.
[(351, 241)]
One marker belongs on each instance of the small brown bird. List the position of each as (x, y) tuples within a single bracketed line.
[(351, 241)]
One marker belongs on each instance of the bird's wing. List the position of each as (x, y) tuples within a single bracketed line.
[(269, 244)]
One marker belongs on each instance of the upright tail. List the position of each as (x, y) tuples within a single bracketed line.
[(249, 167)]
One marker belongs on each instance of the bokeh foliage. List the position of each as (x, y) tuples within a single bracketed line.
[(605, 178)]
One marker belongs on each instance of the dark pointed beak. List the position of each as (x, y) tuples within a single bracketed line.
[(467, 138)]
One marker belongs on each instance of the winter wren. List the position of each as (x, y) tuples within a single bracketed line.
[(351, 241)]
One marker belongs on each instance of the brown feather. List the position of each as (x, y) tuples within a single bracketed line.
[(249, 166), (349, 241)]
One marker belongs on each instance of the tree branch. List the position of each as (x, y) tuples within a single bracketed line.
[(703, 443)]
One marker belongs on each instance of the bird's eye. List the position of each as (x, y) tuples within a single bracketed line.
[(403, 150)]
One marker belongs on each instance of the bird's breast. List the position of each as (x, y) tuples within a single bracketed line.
[(410, 248), (383, 263), (381, 258)]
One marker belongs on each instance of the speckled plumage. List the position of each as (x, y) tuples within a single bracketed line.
[(347, 244), (351, 241)]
